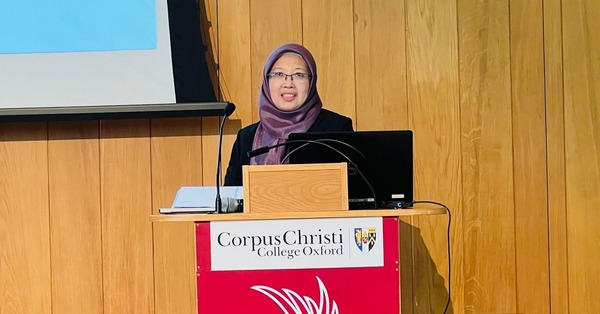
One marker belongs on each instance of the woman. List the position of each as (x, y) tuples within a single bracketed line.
[(288, 103)]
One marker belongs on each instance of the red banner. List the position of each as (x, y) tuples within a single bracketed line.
[(317, 290)]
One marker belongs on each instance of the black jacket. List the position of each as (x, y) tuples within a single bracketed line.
[(327, 121)]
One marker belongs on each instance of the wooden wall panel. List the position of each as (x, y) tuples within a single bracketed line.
[(467, 77), (25, 285), (581, 48), (555, 143), (210, 143), (126, 204), (529, 153), (233, 20), (272, 23), (434, 115), (75, 218), (380, 63), (234, 46), (328, 32), (176, 152), (381, 100), (489, 235)]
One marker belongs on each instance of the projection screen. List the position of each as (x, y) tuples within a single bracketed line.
[(66, 53)]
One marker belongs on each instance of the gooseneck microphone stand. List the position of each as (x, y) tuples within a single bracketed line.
[(229, 109)]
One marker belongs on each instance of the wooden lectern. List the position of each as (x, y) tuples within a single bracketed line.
[(269, 260)]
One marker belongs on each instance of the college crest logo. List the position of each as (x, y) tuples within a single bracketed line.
[(365, 238)]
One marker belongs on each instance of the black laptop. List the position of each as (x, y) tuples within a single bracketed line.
[(380, 163)]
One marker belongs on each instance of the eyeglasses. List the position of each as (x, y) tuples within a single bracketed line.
[(298, 77)]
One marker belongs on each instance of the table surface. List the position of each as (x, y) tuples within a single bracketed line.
[(416, 211)]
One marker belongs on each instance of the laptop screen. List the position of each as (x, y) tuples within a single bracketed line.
[(380, 167)]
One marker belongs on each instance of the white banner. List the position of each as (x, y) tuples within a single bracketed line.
[(297, 243)]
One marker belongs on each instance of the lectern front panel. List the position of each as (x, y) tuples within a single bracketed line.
[(336, 265)]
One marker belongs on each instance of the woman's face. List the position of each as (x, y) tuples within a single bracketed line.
[(289, 93)]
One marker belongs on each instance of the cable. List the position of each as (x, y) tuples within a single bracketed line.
[(324, 140), (218, 201), (265, 149), (448, 248)]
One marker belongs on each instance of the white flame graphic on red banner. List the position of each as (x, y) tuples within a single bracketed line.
[(297, 304)]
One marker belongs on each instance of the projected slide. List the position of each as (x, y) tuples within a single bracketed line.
[(41, 26), (84, 53)]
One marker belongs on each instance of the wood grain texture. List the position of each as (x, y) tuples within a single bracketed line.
[(489, 230), (126, 203), (529, 156), (210, 144), (176, 155), (434, 116), (380, 64), (581, 48), (272, 23), (25, 280), (295, 188), (75, 217), (327, 31), (234, 73), (234, 46), (555, 143), (472, 78)]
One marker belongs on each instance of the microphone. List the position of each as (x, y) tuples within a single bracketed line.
[(229, 109), (231, 205), (259, 151), (265, 149)]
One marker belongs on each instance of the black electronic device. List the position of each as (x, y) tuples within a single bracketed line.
[(385, 158)]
